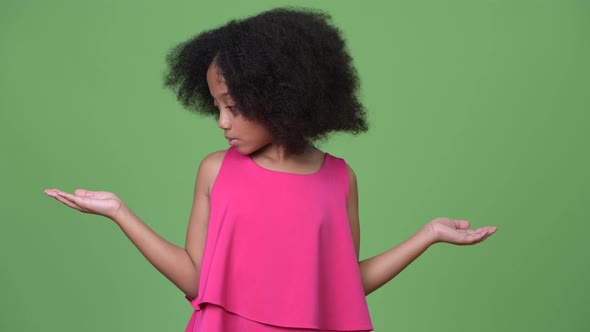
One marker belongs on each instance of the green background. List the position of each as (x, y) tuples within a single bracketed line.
[(478, 111)]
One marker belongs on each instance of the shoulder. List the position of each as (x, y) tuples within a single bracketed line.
[(351, 177), (351, 173), (349, 170), (209, 168), (213, 159), (348, 175), (343, 162)]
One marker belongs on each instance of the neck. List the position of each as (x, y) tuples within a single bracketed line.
[(279, 154)]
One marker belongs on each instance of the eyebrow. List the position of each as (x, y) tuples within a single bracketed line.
[(225, 94)]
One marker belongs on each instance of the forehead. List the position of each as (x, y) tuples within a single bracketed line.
[(216, 82), (214, 73)]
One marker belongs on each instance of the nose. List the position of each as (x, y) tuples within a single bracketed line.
[(224, 121)]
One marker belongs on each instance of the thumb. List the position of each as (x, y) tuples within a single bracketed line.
[(461, 224)]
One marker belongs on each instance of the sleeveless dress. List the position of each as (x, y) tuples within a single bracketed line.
[(279, 254)]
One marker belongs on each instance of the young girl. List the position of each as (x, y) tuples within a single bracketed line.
[(273, 237)]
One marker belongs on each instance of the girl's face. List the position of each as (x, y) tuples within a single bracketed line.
[(247, 136)]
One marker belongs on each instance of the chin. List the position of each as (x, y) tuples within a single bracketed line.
[(244, 150), (248, 150)]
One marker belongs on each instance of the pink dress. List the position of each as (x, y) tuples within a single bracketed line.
[(279, 254)]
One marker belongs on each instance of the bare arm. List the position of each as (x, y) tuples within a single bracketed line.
[(199, 219), (380, 269), (172, 261), (180, 265)]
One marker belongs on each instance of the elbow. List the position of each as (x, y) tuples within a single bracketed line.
[(190, 296), (368, 290)]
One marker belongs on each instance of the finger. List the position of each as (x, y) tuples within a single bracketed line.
[(490, 228), (50, 192), (471, 231), (484, 238), (85, 193), (57, 191), (486, 230), (481, 230), (81, 192), (78, 201), (54, 192), (488, 234), (68, 202), (474, 238)]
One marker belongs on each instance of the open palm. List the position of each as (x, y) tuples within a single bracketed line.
[(458, 232), (102, 203)]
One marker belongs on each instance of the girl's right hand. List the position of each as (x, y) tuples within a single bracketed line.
[(95, 202)]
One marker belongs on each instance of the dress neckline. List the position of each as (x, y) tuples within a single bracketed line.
[(324, 162)]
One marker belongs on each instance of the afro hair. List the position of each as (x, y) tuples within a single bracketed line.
[(287, 68)]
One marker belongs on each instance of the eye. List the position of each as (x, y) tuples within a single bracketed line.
[(233, 109)]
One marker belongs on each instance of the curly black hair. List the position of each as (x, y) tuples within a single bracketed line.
[(287, 68)]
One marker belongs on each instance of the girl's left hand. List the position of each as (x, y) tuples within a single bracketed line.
[(457, 231)]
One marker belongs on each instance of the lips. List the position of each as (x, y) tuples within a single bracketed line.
[(231, 140)]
